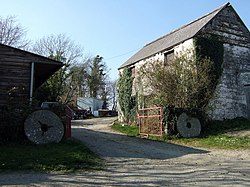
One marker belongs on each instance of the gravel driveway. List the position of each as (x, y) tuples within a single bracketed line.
[(141, 162)]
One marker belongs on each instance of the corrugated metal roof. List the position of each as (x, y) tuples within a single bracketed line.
[(173, 38)]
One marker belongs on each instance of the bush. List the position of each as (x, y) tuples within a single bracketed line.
[(185, 83)]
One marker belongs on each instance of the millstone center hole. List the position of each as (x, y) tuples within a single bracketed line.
[(188, 125), (44, 127)]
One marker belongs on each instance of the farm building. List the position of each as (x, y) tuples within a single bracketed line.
[(89, 103), (22, 72), (233, 88)]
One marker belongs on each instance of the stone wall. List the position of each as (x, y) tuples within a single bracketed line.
[(139, 86), (230, 99)]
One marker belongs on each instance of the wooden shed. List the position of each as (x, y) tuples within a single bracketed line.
[(21, 72)]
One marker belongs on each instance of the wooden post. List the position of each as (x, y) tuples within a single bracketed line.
[(31, 80)]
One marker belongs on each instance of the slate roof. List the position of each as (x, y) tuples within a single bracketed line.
[(173, 38)]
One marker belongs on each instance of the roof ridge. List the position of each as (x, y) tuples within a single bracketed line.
[(181, 34), (183, 26), (31, 53)]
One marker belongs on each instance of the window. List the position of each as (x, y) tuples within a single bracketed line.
[(168, 58)]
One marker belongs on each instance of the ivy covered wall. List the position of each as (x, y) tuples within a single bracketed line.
[(125, 99), (210, 48)]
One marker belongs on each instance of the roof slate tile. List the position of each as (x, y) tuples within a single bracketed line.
[(173, 38)]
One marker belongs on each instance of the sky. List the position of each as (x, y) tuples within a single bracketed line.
[(113, 29)]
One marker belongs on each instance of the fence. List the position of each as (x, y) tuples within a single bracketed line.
[(150, 121)]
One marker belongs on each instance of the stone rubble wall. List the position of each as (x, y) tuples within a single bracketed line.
[(230, 97)]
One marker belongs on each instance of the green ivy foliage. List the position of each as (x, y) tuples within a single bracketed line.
[(125, 100), (211, 47)]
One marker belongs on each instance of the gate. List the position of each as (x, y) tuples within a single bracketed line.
[(150, 121)]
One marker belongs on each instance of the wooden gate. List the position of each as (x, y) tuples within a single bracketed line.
[(150, 121)]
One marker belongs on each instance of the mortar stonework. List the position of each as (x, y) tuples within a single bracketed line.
[(230, 99), (232, 96)]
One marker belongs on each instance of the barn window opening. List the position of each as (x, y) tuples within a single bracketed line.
[(168, 58)]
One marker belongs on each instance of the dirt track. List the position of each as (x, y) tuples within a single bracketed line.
[(140, 162)]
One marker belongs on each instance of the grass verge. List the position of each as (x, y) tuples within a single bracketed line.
[(67, 156), (126, 129), (214, 136)]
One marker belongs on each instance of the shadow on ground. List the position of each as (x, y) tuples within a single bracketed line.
[(112, 145), (141, 162)]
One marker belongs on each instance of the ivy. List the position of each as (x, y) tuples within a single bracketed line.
[(210, 47), (125, 100)]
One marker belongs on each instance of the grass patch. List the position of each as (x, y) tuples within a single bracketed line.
[(67, 156), (217, 141), (221, 127), (130, 130), (214, 136)]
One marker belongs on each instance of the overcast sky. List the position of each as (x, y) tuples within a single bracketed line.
[(114, 29)]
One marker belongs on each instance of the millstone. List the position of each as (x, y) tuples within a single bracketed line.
[(43, 126), (188, 126)]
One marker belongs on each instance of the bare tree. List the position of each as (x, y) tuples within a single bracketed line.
[(62, 85), (12, 33), (61, 46), (113, 94)]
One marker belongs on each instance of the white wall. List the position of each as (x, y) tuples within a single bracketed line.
[(138, 86), (87, 102), (230, 97)]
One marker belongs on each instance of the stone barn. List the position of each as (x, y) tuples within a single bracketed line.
[(233, 88)]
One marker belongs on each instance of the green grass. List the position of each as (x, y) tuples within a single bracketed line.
[(217, 142), (221, 127), (213, 136), (126, 129), (67, 156)]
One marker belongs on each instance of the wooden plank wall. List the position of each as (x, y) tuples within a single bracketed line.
[(14, 75)]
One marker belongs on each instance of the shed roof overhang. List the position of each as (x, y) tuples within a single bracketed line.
[(43, 67), (43, 71)]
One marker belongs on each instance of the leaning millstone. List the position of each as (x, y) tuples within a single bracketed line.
[(188, 126), (43, 126)]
